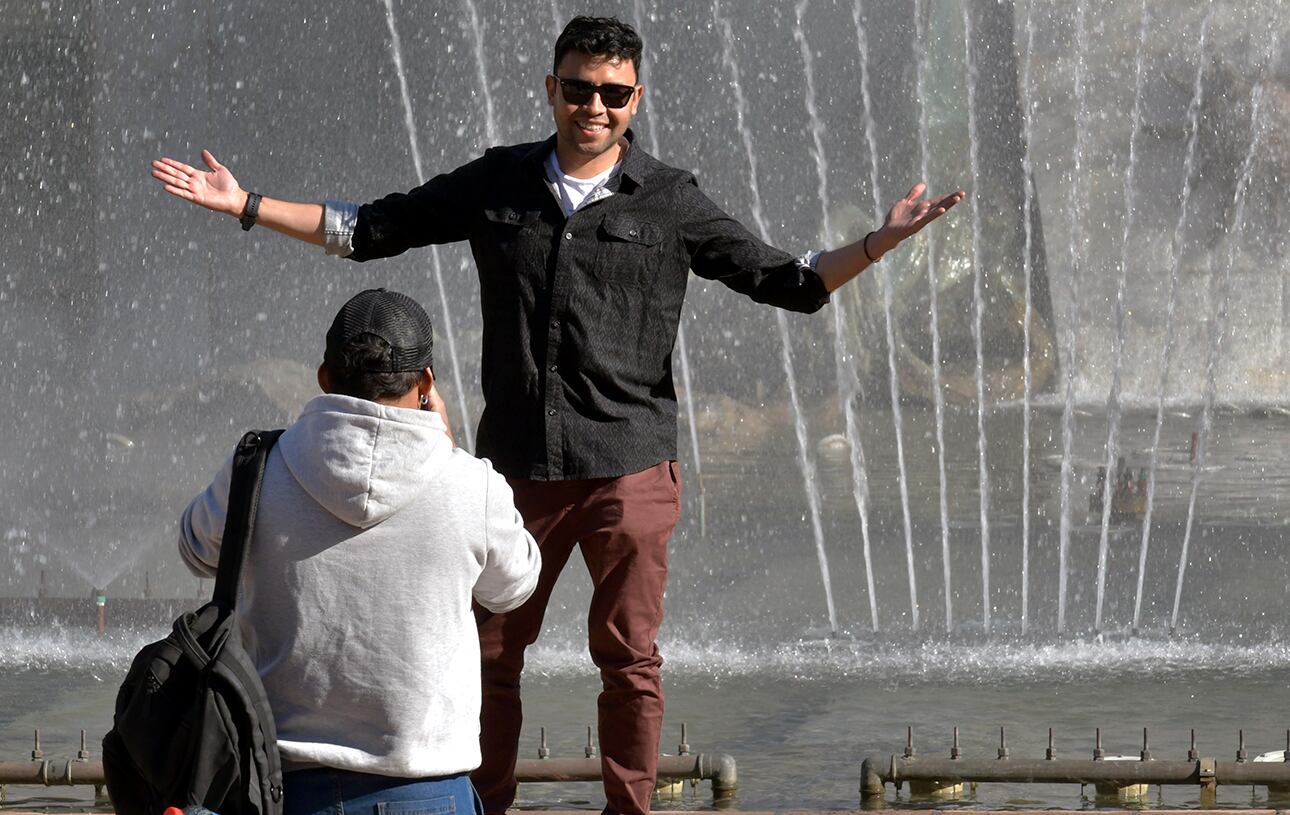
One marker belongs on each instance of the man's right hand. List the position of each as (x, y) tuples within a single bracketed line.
[(216, 190), (435, 402), (219, 191)]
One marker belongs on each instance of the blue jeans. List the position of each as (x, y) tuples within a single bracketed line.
[(327, 791)]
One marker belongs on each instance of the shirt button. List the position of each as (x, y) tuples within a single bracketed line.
[(554, 367), (631, 232), (568, 236), (555, 323), (551, 412)]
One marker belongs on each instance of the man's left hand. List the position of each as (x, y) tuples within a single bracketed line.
[(906, 217), (909, 215)]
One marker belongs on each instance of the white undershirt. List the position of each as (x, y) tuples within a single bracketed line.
[(574, 191)]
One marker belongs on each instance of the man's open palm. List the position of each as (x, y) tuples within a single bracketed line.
[(910, 214), (217, 189)]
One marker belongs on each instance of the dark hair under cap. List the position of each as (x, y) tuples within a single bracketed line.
[(393, 317)]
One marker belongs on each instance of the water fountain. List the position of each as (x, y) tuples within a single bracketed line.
[(1113, 288), (933, 324), (805, 461), (1193, 112), (396, 51), (978, 314)]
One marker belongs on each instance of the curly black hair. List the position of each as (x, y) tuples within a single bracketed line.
[(601, 37)]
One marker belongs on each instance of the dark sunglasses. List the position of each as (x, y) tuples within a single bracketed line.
[(579, 91)]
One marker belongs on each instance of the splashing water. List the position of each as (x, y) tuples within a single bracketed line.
[(809, 479), (847, 385), (1219, 330), (978, 314), (922, 45), (884, 285), (396, 52), (1028, 270), (557, 18), (1113, 397), (1175, 284), (481, 70), (1078, 195)]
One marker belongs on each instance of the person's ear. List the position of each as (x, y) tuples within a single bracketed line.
[(636, 98), (550, 90), (324, 379), (427, 382)]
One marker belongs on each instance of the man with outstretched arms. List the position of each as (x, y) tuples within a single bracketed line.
[(583, 243)]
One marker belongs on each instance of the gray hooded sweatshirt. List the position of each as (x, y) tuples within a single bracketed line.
[(372, 537)]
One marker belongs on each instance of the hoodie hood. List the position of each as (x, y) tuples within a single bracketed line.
[(363, 461)]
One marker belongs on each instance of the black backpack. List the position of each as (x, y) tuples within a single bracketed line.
[(192, 722)]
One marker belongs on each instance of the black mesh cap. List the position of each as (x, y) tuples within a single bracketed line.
[(395, 318)]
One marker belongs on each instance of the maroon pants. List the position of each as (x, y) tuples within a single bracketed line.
[(623, 525)]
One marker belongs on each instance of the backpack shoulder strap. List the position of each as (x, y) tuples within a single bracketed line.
[(243, 500)]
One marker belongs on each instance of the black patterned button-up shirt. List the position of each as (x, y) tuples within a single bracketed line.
[(580, 312)]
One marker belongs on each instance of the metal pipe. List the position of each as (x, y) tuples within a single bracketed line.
[(51, 773), (876, 772), (718, 768), (724, 775), (1259, 773), (1056, 770), (871, 780)]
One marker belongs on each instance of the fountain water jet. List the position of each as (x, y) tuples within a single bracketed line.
[(884, 285), (1113, 397), (846, 383), (1219, 330), (938, 397), (396, 53), (751, 463), (1175, 275), (481, 70), (921, 47), (1027, 389), (804, 455), (1078, 197), (978, 314)]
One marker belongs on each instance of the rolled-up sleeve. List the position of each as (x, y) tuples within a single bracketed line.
[(442, 210), (723, 249), (201, 527), (512, 561), (339, 221)]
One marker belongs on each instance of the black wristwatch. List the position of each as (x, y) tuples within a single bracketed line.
[(250, 211)]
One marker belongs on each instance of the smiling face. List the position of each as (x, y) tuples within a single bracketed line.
[(587, 135)]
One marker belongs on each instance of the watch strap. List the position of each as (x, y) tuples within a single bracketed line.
[(251, 211)]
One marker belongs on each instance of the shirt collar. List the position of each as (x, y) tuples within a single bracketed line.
[(636, 164), (536, 157)]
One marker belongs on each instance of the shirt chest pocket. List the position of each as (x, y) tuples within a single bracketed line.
[(513, 237), (628, 250)]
